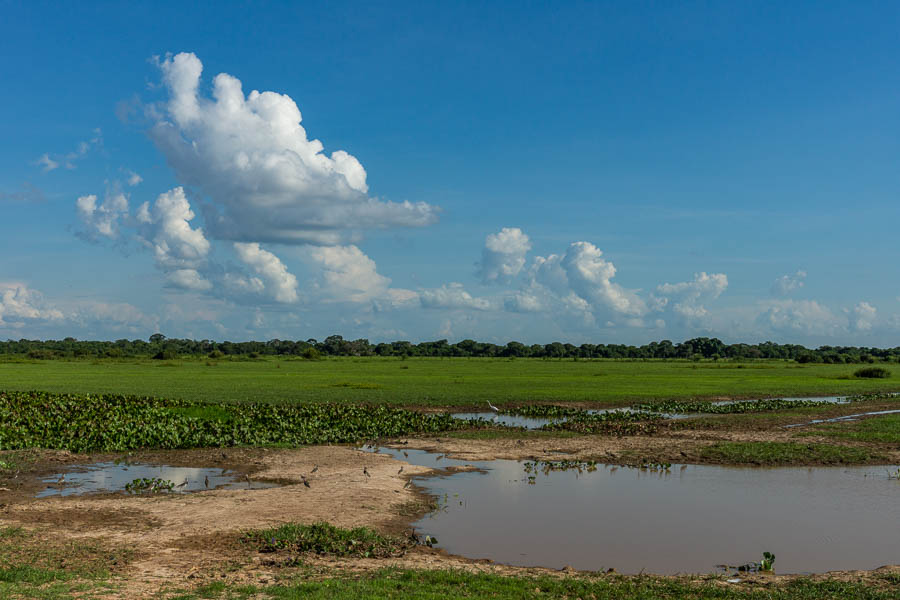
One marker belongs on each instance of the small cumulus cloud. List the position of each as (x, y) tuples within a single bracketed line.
[(20, 304), (348, 274), (863, 316), (50, 163), (503, 256), (272, 273), (801, 316), (101, 219), (452, 296), (132, 178), (687, 299), (786, 284)]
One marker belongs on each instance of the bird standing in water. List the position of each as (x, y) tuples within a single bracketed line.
[(206, 481)]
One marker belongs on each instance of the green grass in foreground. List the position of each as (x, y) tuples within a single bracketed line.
[(873, 429), (435, 382), (434, 585), (784, 453)]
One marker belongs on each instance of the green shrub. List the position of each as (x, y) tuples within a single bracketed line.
[(311, 354), (872, 373), (216, 354)]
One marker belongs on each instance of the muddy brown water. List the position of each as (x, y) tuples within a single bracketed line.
[(688, 519), (113, 477)]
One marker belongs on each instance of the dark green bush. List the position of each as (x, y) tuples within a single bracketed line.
[(872, 373)]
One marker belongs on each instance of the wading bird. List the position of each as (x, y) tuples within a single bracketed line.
[(304, 480), (315, 468), (366, 472), (183, 483), (493, 408), (206, 481), (401, 470)]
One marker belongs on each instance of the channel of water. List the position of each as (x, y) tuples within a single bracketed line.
[(538, 422), (687, 519)]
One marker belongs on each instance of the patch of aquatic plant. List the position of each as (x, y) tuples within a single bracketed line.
[(765, 565), (785, 453), (149, 485), (872, 373), (546, 467), (543, 410), (617, 422), (326, 539), (107, 422), (720, 408)]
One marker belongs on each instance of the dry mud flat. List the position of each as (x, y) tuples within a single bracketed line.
[(183, 540)]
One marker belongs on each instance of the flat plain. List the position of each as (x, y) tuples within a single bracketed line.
[(434, 382)]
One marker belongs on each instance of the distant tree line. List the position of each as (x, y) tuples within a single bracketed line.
[(159, 346)]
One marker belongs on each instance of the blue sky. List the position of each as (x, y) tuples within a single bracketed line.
[(603, 172)]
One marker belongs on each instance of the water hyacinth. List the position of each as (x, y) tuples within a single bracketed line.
[(111, 422)]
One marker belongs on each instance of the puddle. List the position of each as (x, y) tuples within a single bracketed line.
[(681, 519), (112, 477), (538, 422), (844, 418)]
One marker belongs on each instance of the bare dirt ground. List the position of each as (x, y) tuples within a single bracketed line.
[(183, 540)]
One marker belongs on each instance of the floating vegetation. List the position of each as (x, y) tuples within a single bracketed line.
[(149, 485), (546, 467), (325, 539), (748, 406), (543, 410), (617, 422), (110, 422)]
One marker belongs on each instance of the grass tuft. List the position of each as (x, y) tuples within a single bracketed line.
[(326, 539)]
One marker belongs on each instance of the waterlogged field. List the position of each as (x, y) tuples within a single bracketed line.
[(423, 382), (305, 513)]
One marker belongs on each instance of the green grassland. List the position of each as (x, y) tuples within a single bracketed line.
[(422, 382)]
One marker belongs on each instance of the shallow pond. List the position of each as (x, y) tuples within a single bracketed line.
[(113, 477), (687, 519)]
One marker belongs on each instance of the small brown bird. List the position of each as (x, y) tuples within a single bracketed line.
[(304, 480), (407, 484), (400, 471), (315, 468), (366, 472)]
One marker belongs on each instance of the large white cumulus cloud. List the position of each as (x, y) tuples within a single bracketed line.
[(264, 179), (503, 255)]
